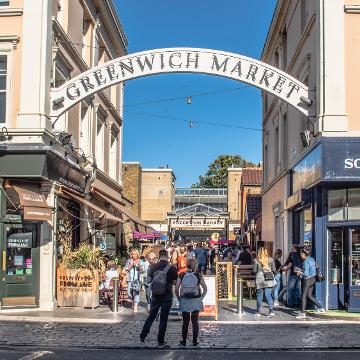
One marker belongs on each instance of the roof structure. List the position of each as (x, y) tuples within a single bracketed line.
[(199, 209), (253, 206), (251, 176)]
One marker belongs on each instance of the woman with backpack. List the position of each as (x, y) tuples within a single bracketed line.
[(308, 275), (134, 270), (190, 290), (264, 268)]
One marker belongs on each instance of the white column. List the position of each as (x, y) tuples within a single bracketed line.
[(47, 276), (331, 62), (36, 65)]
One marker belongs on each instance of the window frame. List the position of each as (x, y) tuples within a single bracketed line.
[(7, 50)]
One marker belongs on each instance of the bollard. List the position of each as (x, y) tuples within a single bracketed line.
[(116, 296), (239, 297)]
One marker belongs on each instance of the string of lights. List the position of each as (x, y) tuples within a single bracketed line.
[(192, 122)]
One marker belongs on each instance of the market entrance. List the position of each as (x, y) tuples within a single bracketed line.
[(181, 60)]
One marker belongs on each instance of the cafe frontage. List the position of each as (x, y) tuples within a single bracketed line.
[(42, 196), (325, 207)]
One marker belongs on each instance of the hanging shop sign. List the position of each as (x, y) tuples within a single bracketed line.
[(181, 60), (37, 213), (197, 223)]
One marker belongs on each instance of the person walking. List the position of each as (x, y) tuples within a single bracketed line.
[(293, 263), (264, 269), (308, 274), (278, 276), (162, 276), (190, 290), (201, 258), (134, 270), (151, 259)]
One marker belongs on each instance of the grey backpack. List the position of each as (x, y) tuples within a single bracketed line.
[(159, 283)]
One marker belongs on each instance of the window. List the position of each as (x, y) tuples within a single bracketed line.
[(85, 128), (276, 150), (284, 49), (285, 144), (303, 14), (113, 152), (266, 164), (99, 149), (276, 61), (4, 2), (3, 80), (337, 204), (353, 204), (96, 51)]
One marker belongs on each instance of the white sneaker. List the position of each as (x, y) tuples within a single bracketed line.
[(301, 316), (321, 310), (276, 304), (257, 315)]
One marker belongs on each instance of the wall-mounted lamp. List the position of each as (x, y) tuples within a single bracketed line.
[(4, 135), (306, 100)]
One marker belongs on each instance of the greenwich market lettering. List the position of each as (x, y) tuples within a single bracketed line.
[(188, 60)]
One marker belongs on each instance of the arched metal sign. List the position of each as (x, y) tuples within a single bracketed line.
[(181, 60)]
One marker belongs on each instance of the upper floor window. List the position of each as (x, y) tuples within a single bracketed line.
[(276, 59), (284, 49), (99, 147), (4, 2), (113, 166), (285, 143), (276, 152), (303, 14), (3, 87)]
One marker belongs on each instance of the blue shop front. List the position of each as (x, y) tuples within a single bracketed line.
[(325, 203)]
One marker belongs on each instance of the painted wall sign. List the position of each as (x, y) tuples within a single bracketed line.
[(181, 60)]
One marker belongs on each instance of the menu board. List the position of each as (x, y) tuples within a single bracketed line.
[(210, 301)]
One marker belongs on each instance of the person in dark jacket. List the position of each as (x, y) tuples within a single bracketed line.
[(162, 302)]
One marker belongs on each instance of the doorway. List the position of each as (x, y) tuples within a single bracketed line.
[(344, 268), (20, 264)]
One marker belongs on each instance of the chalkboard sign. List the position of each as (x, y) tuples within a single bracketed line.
[(20, 240)]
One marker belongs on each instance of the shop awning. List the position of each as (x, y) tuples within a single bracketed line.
[(33, 201), (105, 190), (93, 206), (124, 211)]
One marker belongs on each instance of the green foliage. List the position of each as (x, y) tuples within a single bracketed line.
[(216, 176)]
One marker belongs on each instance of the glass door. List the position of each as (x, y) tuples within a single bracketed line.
[(354, 270)]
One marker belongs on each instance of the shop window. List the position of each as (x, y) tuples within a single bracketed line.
[(355, 258), (336, 256), (19, 246), (307, 236), (3, 87), (337, 205), (353, 204)]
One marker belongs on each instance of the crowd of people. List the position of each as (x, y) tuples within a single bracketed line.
[(184, 265)]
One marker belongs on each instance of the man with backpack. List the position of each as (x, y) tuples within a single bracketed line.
[(161, 277)]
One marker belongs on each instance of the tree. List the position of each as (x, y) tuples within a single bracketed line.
[(216, 176)]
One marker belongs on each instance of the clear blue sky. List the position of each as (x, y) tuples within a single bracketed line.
[(238, 26)]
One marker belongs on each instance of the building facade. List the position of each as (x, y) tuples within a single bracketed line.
[(56, 174), (311, 180)]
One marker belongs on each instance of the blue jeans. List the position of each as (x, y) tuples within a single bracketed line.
[(260, 296), (293, 290), (278, 286)]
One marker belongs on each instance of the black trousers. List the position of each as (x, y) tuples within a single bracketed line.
[(164, 305), (195, 324), (307, 293)]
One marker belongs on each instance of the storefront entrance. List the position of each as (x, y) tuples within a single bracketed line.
[(344, 268), (20, 262)]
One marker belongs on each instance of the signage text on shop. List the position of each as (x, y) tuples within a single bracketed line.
[(202, 223), (181, 60)]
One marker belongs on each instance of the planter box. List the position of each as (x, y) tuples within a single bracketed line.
[(77, 288)]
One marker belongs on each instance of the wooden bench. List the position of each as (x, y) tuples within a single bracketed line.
[(245, 272)]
